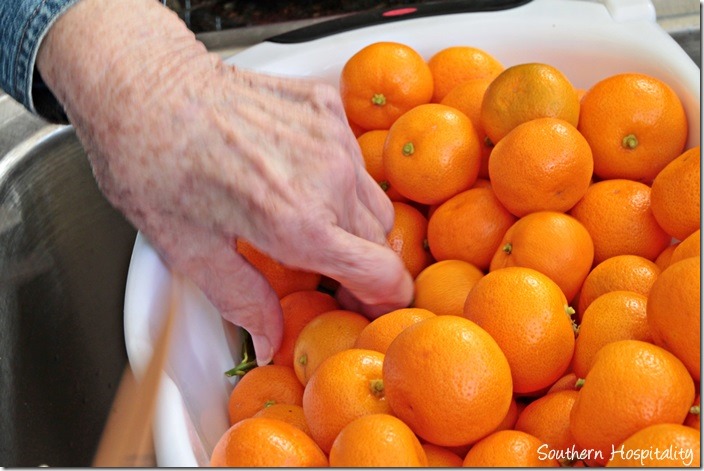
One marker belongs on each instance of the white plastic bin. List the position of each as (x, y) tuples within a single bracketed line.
[(586, 40)]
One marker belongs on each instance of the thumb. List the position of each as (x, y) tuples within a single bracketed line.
[(371, 273), (245, 298), (238, 291)]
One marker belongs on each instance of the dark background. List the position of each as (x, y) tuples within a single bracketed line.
[(214, 15)]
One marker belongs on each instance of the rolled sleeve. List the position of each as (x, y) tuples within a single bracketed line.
[(23, 25)]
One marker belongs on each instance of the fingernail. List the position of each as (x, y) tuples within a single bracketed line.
[(262, 349)]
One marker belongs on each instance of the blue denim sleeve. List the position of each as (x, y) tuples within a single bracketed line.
[(23, 24)]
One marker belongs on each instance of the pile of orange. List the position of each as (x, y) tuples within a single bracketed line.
[(554, 238)]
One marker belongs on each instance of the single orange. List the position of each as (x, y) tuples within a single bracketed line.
[(262, 386), (674, 312), (486, 148), (675, 195), (663, 260), (660, 445), (482, 183), (441, 457), (379, 334), (382, 81), (467, 97), (542, 164), (377, 440), (508, 449), (566, 383), (618, 216), (635, 125), (291, 413), (524, 92), (528, 316), (548, 419), (625, 376), (371, 143), (554, 243), (442, 370), (432, 153), (264, 442), (616, 315), (298, 309), (325, 335), (283, 279), (689, 247), (345, 386), (461, 450), (455, 65), (469, 227), (442, 287), (620, 273), (409, 237)]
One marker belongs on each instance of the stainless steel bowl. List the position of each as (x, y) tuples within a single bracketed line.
[(64, 257), (64, 254)]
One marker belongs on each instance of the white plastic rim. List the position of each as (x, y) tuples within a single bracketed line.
[(581, 38), (585, 40)]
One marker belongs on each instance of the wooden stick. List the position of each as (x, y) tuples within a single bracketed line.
[(127, 437)]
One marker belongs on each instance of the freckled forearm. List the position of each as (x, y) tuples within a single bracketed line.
[(124, 71), (107, 54)]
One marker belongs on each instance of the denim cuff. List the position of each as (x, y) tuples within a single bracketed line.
[(23, 25)]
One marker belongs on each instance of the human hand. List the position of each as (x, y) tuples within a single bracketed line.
[(196, 153)]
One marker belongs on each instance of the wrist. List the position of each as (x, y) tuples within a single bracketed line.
[(105, 55)]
